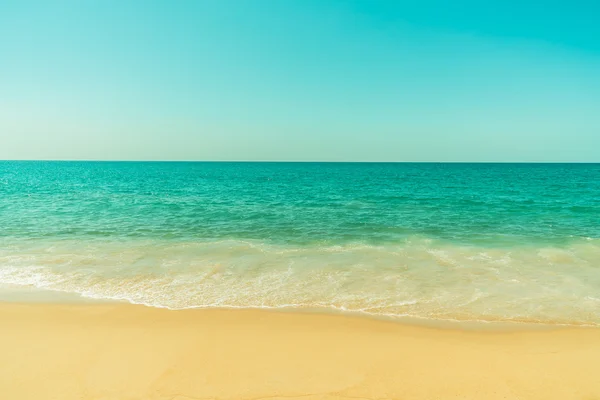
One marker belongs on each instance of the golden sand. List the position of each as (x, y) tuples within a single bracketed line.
[(128, 352)]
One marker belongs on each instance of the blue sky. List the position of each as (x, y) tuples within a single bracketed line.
[(300, 80)]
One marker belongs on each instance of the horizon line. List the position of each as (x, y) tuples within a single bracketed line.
[(291, 161), (300, 161), (297, 161)]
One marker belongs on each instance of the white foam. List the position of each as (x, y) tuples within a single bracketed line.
[(443, 282)]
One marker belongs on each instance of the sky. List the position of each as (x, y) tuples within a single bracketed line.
[(300, 80)]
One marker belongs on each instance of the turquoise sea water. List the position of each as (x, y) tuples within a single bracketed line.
[(507, 242)]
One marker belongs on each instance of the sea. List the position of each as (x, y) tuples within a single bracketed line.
[(434, 241)]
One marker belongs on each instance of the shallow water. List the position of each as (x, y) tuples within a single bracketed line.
[(491, 242)]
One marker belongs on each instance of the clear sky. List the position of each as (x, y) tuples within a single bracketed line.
[(427, 80)]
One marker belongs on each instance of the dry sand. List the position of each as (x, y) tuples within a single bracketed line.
[(122, 352)]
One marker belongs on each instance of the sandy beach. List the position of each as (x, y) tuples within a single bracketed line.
[(113, 351)]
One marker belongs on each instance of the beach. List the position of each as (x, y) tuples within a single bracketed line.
[(299, 200), (119, 351), (247, 281)]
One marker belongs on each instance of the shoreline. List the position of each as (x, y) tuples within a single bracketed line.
[(118, 351), (37, 296)]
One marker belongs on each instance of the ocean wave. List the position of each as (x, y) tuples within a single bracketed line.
[(420, 278)]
